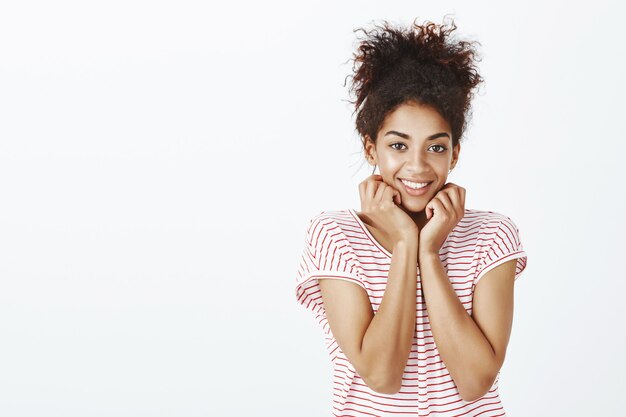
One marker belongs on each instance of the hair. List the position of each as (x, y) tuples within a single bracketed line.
[(421, 64)]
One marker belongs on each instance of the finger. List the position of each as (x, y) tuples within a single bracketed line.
[(396, 195), (456, 198), (462, 202), (365, 193), (380, 191), (434, 207), (446, 202), (390, 194), (371, 187), (375, 177), (362, 190)]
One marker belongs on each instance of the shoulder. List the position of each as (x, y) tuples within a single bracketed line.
[(486, 220), (338, 220), (480, 228), (492, 231), (339, 227)]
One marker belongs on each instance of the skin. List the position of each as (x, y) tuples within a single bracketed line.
[(472, 347), (418, 158)]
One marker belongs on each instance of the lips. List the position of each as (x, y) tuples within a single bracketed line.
[(418, 181), (417, 192)]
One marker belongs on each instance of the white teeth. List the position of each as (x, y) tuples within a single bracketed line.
[(415, 185)]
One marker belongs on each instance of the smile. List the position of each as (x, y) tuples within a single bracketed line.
[(416, 189)]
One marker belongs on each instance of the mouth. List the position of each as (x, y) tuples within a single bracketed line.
[(416, 191)]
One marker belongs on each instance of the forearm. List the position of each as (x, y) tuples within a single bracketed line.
[(465, 351), (389, 336)]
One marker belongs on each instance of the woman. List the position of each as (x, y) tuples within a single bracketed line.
[(416, 335)]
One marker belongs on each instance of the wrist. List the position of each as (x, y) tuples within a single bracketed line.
[(406, 242), (428, 253)]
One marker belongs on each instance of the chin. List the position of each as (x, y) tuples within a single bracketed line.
[(414, 207)]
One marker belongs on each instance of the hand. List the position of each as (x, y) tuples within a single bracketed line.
[(443, 212), (378, 204)]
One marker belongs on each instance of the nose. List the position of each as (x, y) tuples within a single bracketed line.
[(417, 163)]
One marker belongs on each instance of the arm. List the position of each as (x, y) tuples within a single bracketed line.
[(472, 348), (377, 345)]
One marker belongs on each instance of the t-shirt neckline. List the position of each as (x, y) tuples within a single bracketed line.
[(368, 233)]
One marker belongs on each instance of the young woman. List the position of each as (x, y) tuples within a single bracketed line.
[(414, 292)]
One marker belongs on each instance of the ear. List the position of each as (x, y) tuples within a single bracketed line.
[(370, 150)]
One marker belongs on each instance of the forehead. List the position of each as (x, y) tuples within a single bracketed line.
[(417, 120)]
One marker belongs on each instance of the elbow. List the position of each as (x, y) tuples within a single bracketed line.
[(384, 384), (387, 389), (383, 377), (471, 396), (476, 390)]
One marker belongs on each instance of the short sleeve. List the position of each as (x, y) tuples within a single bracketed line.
[(327, 253), (503, 244)]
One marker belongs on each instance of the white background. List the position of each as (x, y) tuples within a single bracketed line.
[(159, 162)]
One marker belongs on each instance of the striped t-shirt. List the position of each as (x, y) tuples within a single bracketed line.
[(338, 245)]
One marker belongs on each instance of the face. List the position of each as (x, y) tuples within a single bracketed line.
[(414, 143)]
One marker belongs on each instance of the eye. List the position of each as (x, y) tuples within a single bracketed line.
[(397, 143), (443, 148)]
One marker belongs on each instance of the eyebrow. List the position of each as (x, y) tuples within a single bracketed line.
[(405, 136)]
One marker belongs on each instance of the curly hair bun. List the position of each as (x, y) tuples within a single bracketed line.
[(421, 63)]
